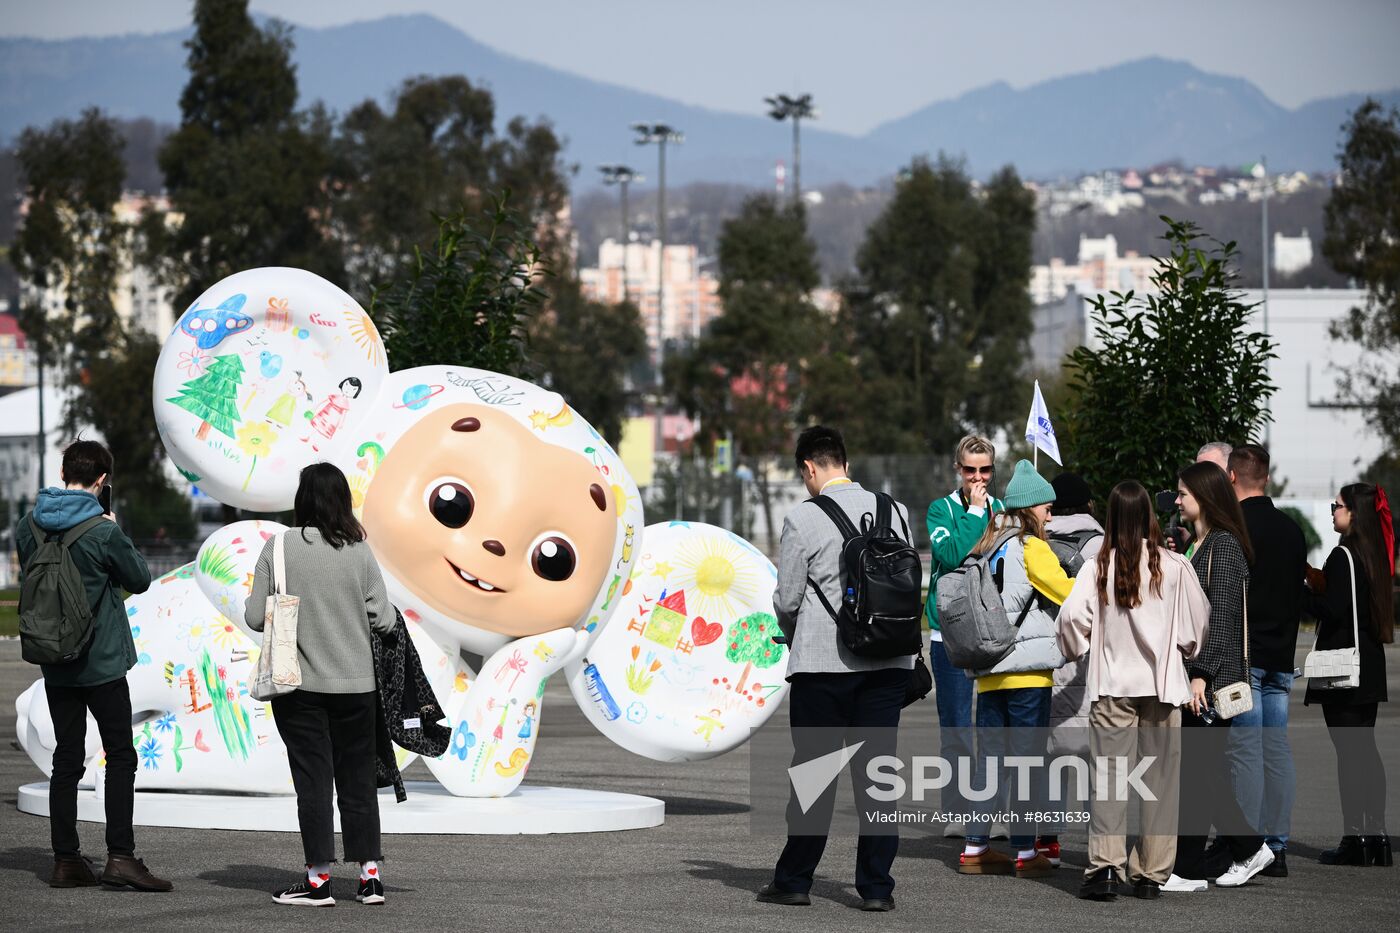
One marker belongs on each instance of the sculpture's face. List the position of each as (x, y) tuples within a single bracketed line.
[(490, 526)]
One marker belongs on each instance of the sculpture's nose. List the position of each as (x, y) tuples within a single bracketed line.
[(495, 547)]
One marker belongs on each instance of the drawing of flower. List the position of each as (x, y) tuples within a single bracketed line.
[(193, 361), (462, 740), (165, 723), (149, 749), (255, 439)]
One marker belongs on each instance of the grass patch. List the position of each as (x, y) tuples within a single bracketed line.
[(9, 612)]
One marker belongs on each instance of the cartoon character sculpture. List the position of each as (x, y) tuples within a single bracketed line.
[(506, 527)]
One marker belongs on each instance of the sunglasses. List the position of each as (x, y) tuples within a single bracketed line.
[(1336, 506), (975, 471)]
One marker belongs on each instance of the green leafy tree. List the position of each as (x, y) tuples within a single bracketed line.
[(245, 171), (436, 152), (70, 244), (213, 396), (744, 377), (467, 301), (1363, 242), (586, 351), (1168, 370), (932, 332)]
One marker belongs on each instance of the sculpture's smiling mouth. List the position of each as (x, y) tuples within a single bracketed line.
[(472, 581)]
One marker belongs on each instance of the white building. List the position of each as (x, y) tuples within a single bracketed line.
[(1318, 442), (1097, 268), (1291, 253), (691, 295)]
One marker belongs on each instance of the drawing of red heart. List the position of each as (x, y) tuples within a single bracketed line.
[(702, 632)]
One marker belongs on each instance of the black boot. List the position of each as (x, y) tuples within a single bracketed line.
[(1349, 851), (1100, 885), (1377, 850)]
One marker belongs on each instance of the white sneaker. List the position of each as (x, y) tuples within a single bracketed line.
[(1240, 872), (1178, 885)]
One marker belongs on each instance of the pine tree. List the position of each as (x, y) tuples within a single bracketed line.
[(213, 397)]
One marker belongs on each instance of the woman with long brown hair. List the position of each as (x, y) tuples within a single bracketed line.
[(1221, 557), (1365, 554), (1140, 613)]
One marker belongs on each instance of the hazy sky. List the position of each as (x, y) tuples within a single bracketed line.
[(864, 61)]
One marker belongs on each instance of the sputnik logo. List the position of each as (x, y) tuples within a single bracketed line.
[(811, 778)]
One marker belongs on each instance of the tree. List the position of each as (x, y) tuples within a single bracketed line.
[(585, 351), (933, 329), (245, 171), (436, 152), (745, 376), (468, 300), (70, 243), (1169, 370), (213, 395), (1363, 242), (751, 644)]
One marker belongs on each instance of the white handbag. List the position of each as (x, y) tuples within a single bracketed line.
[(1337, 668), (279, 668), (1238, 697)]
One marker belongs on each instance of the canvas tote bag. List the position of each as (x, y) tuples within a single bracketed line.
[(279, 669)]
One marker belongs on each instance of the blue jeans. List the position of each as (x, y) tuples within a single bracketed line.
[(952, 691), (1012, 722), (1261, 762)]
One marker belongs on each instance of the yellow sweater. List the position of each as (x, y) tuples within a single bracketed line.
[(1049, 580)]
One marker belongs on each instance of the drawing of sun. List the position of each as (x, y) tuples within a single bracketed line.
[(366, 336), (621, 498), (718, 577)]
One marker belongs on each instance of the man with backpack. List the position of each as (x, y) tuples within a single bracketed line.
[(75, 562), (848, 602)]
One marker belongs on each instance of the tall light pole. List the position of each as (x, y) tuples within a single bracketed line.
[(660, 134), (1264, 174), (622, 176), (782, 107)]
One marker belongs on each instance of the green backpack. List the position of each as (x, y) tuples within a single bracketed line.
[(55, 618)]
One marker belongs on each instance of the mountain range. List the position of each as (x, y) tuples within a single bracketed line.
[(1134, 114)]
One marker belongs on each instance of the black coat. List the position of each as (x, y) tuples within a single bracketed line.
[(1332, 610), (1275, 584), (406, 712)]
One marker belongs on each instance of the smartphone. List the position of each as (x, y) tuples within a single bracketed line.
[(105, 497)]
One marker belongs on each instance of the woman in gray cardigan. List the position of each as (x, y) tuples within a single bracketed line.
[(328, 725)]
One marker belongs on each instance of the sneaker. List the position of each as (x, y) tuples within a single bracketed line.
[(1240, 872), (371, 891), (1178, 885), (1051, 850), (1037, 867), (990, 862), (304, 894), (1278, 868)]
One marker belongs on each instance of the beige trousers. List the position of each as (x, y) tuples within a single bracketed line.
[(1126, 730)]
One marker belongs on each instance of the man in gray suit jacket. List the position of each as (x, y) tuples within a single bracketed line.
[(834, 693)]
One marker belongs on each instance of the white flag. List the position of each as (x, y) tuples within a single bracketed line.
[(1039, 430)]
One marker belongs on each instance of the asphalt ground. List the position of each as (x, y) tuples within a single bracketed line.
[(698, 871)]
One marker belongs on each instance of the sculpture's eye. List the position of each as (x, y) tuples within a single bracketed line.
[(451, 502), (553, 558)]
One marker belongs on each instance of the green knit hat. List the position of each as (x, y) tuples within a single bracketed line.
[(1027, 488)]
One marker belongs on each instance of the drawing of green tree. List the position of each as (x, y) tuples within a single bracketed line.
[(751, 644), (213, 397)]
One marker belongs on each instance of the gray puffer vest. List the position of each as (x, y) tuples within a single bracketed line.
[(1036, 648)]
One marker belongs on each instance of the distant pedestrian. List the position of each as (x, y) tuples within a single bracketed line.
[(1261, 758), (1356, 609), (1136, 614), (1221, 558), (95, 683), (328, 725), (833, 690), (955, 524), (1013, 696)]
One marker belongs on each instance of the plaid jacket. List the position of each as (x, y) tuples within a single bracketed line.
[(1224, 574)]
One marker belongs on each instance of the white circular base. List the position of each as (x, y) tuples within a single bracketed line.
[(429, 809)]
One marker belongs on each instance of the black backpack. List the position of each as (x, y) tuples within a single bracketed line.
[(55, 618), (1069, 547), (882, 578)]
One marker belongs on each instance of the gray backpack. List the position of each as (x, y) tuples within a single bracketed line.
[(55, 618), (977, 632)]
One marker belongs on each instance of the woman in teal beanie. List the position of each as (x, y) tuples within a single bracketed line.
[(1014, 694)]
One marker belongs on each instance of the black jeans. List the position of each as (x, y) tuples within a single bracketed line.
[(1208, 798), (1360, 771), (822, 707), (330, 739), (110, 704)]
